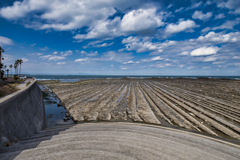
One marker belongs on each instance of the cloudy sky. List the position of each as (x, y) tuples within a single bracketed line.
[(122, 37)]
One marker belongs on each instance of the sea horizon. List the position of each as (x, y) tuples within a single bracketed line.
[(74, 78)]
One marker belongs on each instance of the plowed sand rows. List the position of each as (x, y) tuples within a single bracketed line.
[(150, 101)]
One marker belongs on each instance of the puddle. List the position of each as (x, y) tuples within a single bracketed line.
[(54, 114)]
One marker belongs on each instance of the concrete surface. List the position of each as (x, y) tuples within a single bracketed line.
[(23, 85), (22, 113), (120, 141)]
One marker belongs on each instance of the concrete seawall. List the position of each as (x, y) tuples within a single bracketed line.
[(22, 114)]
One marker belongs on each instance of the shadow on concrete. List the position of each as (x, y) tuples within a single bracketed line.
[(31, 142)]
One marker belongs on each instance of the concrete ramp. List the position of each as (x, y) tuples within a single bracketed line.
[(119, 141)]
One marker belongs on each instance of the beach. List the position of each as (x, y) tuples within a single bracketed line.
[(204, 105)]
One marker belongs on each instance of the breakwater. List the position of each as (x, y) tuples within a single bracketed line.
[(22, 114)]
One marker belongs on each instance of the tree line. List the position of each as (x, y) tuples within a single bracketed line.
[(16, 66)]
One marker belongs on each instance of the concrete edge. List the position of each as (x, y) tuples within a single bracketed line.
[(15, 94), (167, 128)]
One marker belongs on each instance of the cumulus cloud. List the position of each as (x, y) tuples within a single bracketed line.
[(161, 65), (206, 29), (219, 16), (231, 4), (228, 24), (5, 41), (81, 59), (55, 52), (236, 57), (201, 16), (209, 59), (25, 60), (52, 57), (102, 30), (129, 62), (98, 44), (203, 51), (61, 63), (64, 15), (156, 58), (220, 37), (194, 5), (184, 53), (141, 20), (179, 10), (90, 54), (35, 54), (66, 53), (43, 49), (144, 44), (181, 26)]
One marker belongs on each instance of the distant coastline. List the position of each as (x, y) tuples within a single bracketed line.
[(74, 78)]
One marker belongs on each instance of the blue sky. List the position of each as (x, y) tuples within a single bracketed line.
[(113, 37)]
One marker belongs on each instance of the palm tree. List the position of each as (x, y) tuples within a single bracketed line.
[(1, 50), (10, 66), (16, 63), (15, 66), (20, 62), (7, 72), (4, 67)]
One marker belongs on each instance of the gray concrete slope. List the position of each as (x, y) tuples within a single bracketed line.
[(120, 141), (22, 114)]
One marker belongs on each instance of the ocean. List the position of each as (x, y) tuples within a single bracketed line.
[(75, 78)]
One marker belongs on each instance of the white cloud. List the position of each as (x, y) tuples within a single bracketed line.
[(201, 16), (219, 62), (206, 29), (144, 44), (184, 53), (8, 59), (25, 60), (123, 68), (118, 57), (236, 57), (66, 53), (90, 54), (61, 63), (81, 59), (179, 10), (111, 65), (103, 45), (209, 59), (35, 54), (231, 4), (206, 67), (228, 24), (141, 20), (5, 41), (55, 52), (191, 67), (181, 26), (194, 5), (102, 30), (52, 57), (43, 49), (156, 58), (220, 37), (161, 65), (33, 44), (129, 62), (219, 16), (203, 51)]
